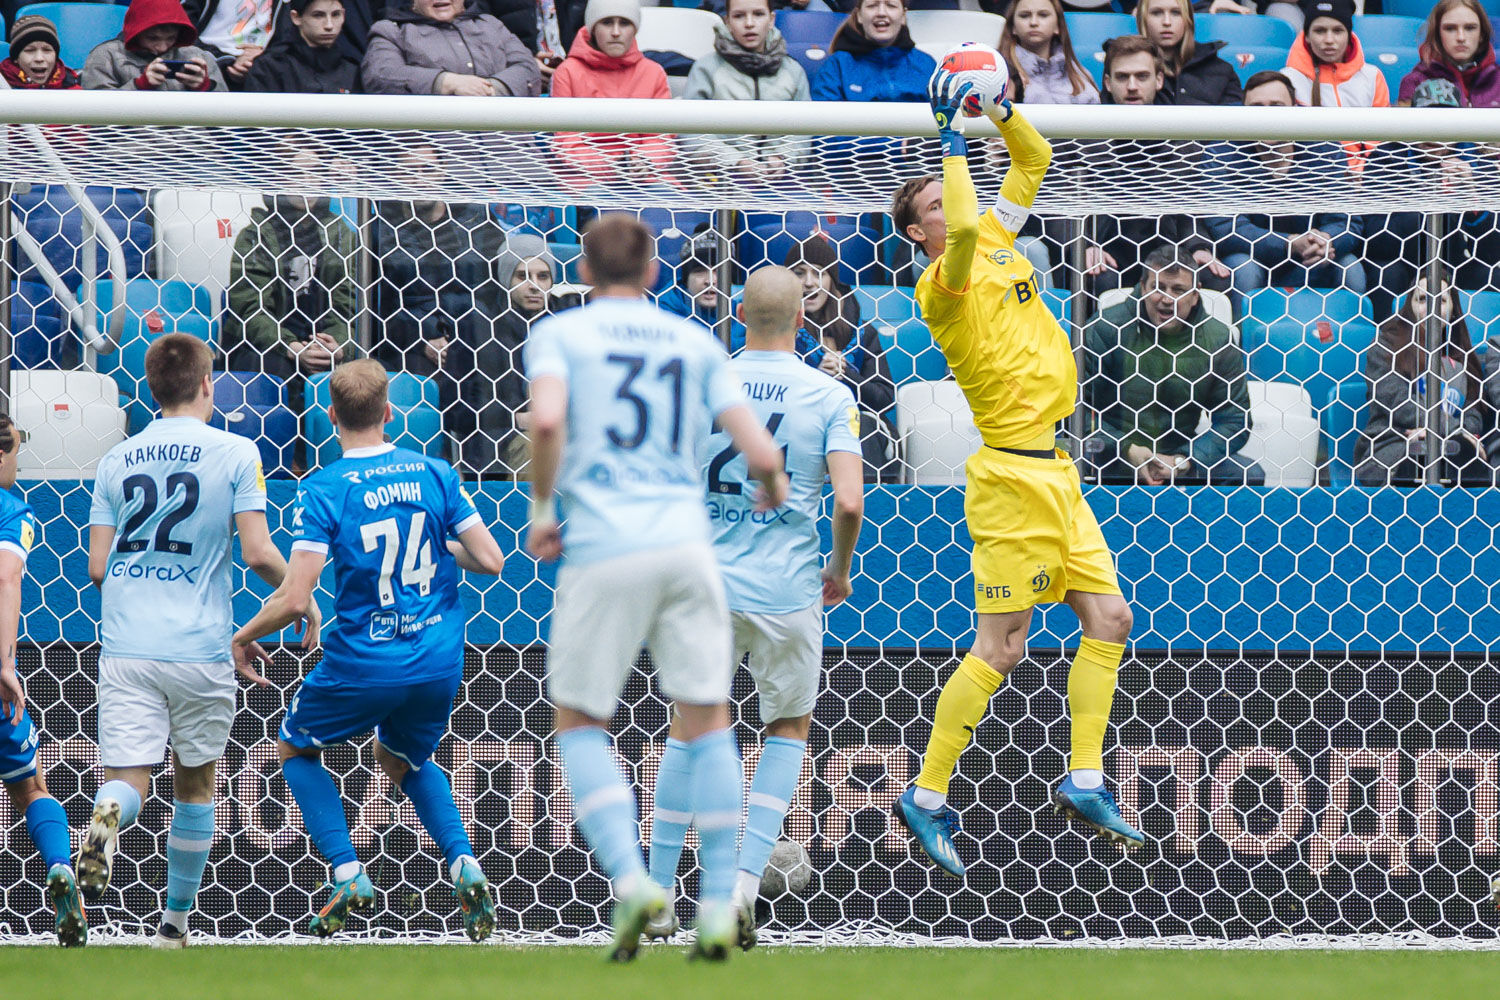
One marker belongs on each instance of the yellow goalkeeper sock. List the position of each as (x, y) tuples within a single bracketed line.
[(1091, 691), (965, 699)]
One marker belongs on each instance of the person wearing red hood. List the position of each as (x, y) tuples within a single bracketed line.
[(1327, 64), (605, 61), (33, 63), (157, 32), (1459, 48)]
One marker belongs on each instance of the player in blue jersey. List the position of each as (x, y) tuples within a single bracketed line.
[(622, 396), (394, 658), (773, 577), (167, 503), (24, 784)]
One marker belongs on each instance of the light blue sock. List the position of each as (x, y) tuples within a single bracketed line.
[(322, 809), (603, 804), (771, 792), (189, 840), (432, 797), (125, 794), (48, 826), (717, 790), (671, 812)]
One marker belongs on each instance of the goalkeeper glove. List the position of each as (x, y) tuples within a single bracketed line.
[(1000, 113), (946, 93)]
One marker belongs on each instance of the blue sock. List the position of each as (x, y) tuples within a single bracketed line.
[(717, 790), (48, 826), (432, 798), (123, 793), (771, 792), (671, 813), (322, 809), (603, 804), (188, 842)]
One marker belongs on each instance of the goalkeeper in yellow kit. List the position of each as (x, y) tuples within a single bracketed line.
[(1035, 538)]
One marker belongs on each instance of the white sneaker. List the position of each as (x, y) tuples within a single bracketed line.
[(663, 925), (169, 938), (98, 851)]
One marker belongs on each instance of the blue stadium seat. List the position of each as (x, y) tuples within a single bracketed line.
[(1248, 60), (1089, 32), (1059, 303), (418, 423), (1407, 8), (1482, 313), (1393, 63), (858, 249), (1343, 417), (38, 329), (152, 308), (1385, 32), (51, 217), (80, 26), (568, 255), (1246, 29), (253, 405), (807, 34), (1315, 337), (673, 229)]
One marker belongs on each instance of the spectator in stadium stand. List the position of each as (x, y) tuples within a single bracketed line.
[(1392, 448), (291, 298), (1153, 367), (695, 296), (872, 58), (1194, 71), (443, 47), (605, 61), (1459, 48), (359, 18), (1295, 248), (33, 62), (838, 344), (307, 59), (748, 63), (155, 30), (1134, 72), (1039, 52), (1327, 65), (235, 31), (491, 421)]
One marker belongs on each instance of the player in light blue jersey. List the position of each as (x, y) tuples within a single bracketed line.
[(774, 576), (24, 784), (397, 526), (622, 396), (167, 503)]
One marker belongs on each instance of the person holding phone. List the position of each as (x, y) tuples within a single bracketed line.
[(156, 51)]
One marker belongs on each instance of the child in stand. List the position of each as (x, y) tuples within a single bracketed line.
[(33, 63)]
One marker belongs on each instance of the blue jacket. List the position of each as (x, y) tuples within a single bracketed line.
[(1317, 166), (888, 74)]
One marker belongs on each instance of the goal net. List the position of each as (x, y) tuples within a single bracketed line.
[(1306, 724)]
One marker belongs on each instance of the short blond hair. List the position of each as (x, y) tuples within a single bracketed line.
[(359, 390), (771, 297)]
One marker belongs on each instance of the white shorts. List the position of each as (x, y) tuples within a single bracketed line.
[(786, 658), (143, 703), (669, 600)]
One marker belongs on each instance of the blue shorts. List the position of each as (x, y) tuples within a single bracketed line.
[(17, 749), (409, 719)]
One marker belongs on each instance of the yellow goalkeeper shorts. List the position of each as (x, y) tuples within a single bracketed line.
[(1035, 537)]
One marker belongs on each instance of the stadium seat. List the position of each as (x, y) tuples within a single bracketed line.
[(1482, 314), (1248, 60), (673, 228), (1385, 32), (807, 34), (1394, 63), (1416, 9), (937, 432), (418, 423), (1089, 32), (195, 232), (51, 217), (1315, 337), (80, 26), (39, 332), (677, 29), (1343, 418), (1246, 29), (253, 405), (937, 31), (1283, 434), (152, 308), (910, 353), (568, 255), (71, 419), (858, 249)]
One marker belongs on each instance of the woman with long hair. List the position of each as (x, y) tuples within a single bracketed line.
[(1459, 48), (1394, 446), (1327, 65), (1043, 67), (1195, 73), (872, 58)]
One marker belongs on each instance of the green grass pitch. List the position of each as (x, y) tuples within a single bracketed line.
[(416, 972)]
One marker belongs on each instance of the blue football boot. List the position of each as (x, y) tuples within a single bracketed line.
[(933, 830), (475, 901), (355, 894), (1095, 807)]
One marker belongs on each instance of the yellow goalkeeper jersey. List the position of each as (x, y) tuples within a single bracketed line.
[(981, 302)]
